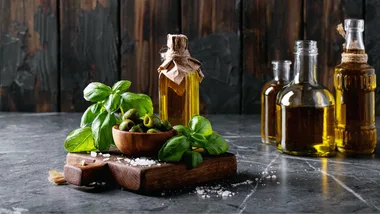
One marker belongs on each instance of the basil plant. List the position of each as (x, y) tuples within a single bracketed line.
[(95, 132), (193, 141)]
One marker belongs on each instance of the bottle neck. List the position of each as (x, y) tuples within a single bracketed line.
[(281, 72), (354, 41), (305, 68)]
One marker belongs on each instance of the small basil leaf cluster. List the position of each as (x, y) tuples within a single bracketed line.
[(95, 132), (150, 123), (193, 141)]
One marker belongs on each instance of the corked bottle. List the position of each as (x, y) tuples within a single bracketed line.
[(355, 84), (179, 80)]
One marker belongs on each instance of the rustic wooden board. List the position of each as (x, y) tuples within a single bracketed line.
[(147, 179), (321, 20), (89, 48), (144, 26), (372, 41), (212, 27), (28, 55), (269, 29)]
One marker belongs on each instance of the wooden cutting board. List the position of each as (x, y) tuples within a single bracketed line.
[(145, 179)]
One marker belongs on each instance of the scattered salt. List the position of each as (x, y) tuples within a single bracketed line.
[(274, 176), (242, 183), (278, 182), (119, 158), (100, 153), (142, 162), (106, 159), (106, 155), (93, 154), (268, 177)]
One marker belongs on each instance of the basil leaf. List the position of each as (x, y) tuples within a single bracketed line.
[(141, 102), (80, 140), (102, 130), (216, 144), (113, 102), (198, 138), (121, 86), (192, 159), (173, 149), (200, 125), (90, 114), (96, 92), (183, 130)]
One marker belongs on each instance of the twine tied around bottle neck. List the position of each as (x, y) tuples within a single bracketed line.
[(177, 62), (351, 57)]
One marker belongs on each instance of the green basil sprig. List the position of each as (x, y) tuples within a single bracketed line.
[(194, 141), (97, 121)]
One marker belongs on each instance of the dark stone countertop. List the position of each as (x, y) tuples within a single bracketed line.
[(32, 144)]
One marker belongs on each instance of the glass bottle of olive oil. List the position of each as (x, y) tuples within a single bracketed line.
[(355, 84), (281, 70), (179, 80), (305, 109)]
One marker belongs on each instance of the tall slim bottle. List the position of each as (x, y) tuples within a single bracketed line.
[(305, 109), (355, 84), (281, 70), (179, 80)]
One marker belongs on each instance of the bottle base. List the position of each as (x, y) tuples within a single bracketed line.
[(309, 154), (269, 141), (351, 152)]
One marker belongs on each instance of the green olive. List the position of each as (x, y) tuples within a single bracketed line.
[(151, 121), (131, 114), (136, 129), (165, 125), (153, 131), (126, 125)]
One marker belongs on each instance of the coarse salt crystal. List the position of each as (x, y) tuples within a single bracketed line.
[(100, 153), (200, 192), (106, 155), (106, 159), (93, 154), (119, 158), (274, 176), (268, 177), (226, 193), (158, 164)]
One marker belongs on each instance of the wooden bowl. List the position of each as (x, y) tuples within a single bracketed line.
[(140, 144)]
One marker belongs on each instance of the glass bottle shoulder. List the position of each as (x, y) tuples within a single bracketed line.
[(354, 68), (273, 86), (304, 94)]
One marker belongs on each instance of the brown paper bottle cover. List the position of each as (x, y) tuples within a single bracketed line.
[(177, 62)]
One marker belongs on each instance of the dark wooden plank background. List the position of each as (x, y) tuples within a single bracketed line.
[(51, 49)]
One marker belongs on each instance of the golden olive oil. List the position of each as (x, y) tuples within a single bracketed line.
[(268, 110), (307, 131), (178, 103), (355, 84)]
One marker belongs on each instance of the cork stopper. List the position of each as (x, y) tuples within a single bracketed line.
[(177, 62)]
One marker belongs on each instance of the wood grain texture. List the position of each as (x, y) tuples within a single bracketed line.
[(372, 41), (144, 27), (321, 20), (270, 29), (147, 179), (89, 48), (212, 27), (28, 55)]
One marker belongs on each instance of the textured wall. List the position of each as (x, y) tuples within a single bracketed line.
[(51, 49)]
